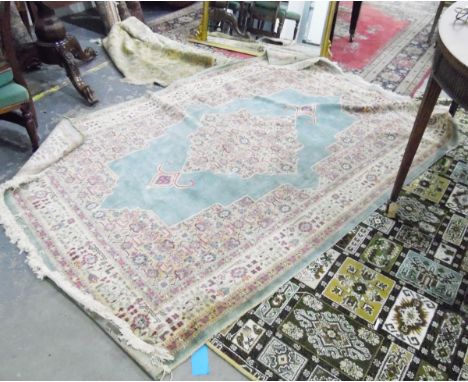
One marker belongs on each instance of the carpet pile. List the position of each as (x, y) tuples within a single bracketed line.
[(171, 215), (387, 302)]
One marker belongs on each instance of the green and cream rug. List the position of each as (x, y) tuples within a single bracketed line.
[(170, 216), (387, 302)]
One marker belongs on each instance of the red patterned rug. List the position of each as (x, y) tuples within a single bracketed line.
[(390, 46), (374, 31)]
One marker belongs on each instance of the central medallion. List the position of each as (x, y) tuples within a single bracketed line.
[(248, 147), (244, 144)]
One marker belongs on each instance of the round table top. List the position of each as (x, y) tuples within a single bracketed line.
[(454, 33)]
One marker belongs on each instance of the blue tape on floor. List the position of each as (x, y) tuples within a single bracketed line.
[(200, 365)]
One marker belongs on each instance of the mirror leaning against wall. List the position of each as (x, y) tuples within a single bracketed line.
[(249, 27)]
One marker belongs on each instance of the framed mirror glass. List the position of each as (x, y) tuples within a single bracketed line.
[(243, 26)]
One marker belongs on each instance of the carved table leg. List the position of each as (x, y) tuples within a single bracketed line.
[(55, 47), (30, 124), (85, 55), (74, 75), (219, 14)]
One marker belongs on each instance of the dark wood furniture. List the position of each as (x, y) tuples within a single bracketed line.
[(355, 12), (56, 47), (440, 8), (450, 73), (220, 17), (20, 97), (261, 12)]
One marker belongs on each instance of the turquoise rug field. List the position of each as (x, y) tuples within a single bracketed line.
[(300, 144)]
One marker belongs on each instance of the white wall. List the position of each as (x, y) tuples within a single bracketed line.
[(288, 27), (317, 22), (317, 16)]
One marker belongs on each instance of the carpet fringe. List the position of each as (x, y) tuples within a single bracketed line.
[(15, 233)]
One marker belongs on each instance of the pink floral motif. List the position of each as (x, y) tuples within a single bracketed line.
[(308, 111), (244, 144), (168, 179)]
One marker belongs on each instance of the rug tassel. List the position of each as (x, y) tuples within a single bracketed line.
[(158, 361)]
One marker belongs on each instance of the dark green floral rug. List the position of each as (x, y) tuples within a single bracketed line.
[(387, 302)]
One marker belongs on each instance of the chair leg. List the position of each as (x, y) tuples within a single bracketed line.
[(295, 30), (27, 110), (280, 27), (453, 108)]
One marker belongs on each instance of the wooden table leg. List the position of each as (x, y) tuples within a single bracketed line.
[(436, 20), (74, 75), (55, 47), (453, 108), (335, 15), (356, 10), (424, 113)]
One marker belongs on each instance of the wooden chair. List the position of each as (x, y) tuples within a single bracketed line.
[(262, 11), (272, 11), (14, 93), (285, 14)]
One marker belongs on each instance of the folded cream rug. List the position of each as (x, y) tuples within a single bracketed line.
[(145, 57)]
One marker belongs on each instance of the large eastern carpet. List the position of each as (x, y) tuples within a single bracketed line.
[(171, 215), (387, 302)]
